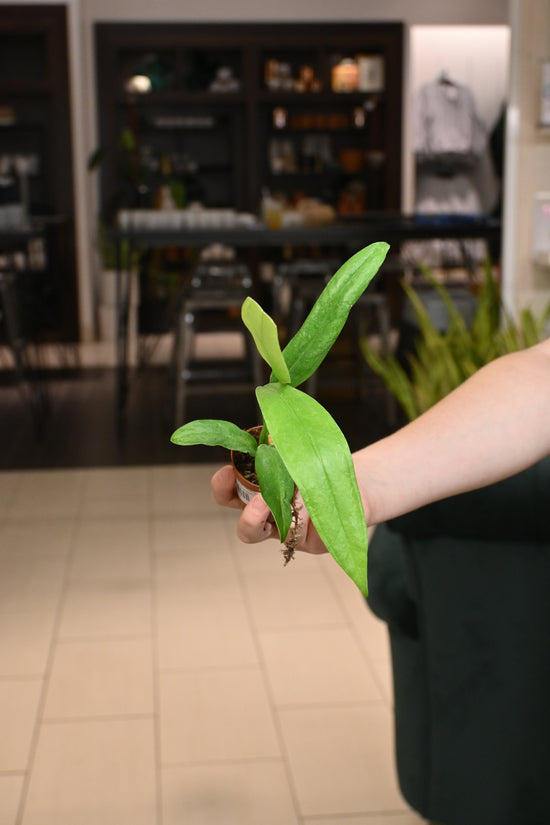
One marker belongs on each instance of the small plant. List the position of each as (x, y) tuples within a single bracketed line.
[(443, 360), (300, 445), (113, 255)]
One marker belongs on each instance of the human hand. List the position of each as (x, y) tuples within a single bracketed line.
[(256, 522)]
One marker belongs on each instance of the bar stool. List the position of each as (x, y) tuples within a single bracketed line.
[(215, 288), (370, 314), (305, 280), (302, 280)]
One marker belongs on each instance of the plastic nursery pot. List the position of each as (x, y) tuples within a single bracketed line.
[(243, 467)]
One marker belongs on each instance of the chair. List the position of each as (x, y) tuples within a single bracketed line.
[(464, 587), (211, 303)]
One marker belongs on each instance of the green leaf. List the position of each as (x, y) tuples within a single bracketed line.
[(266, 338), (276, 485), (305, 352), (215, 433), (317, 456), (127, 140)]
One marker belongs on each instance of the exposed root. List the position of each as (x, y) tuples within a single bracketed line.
[(293, 536)]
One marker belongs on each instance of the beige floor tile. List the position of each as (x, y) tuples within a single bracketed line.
[(341, 759), (408, 818), (46, 494), (101, 678), (30, 583), (265, 557), (10, 795), (350, 597), (245, 793), (93, 772), (111, 550), (206, 532), (25, 643), (384, 677), (192, 550), (106, 610), (316, 666), (204, 626), (371, 631), (212, 715), (19, 700), (116, 482), (196, 566), (292, 596), (115, 507), (182, 490), (37, 538), (116, 492), (373, 636)]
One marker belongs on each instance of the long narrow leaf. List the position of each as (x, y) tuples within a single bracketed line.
[(266, 338), (318, 458), (215, 433), (307, 349), (276, 485)]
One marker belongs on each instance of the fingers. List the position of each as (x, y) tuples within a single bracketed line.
[(224, 490), (255, 523)]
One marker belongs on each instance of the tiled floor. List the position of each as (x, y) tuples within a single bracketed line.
[(155, 671)]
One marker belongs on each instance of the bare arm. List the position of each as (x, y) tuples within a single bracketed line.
[(494, 425)]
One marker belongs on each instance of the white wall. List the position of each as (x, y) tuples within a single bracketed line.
[(528, 155), (409, 11)]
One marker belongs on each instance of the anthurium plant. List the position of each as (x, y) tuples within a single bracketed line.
[(300, 446)]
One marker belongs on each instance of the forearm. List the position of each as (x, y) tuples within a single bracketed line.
[(494, 425)]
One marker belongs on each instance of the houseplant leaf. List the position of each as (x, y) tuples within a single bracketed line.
[(276, 485), (305, 352), (266, 338), (215, 433), (317, 456)]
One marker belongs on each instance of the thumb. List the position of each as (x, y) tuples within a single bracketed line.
[(255, 523)]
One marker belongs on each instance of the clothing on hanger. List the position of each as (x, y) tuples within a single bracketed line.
[(447, 127)]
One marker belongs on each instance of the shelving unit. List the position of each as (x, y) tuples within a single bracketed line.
[(35, 149), (228, 110)]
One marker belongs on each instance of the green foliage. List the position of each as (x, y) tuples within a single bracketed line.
[(266, 338), (112, 254), (276, 484), (317, 457), (215, 433), (308, 449), (443, 360)]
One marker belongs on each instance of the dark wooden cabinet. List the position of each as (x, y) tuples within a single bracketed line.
[(217, 113), (36, 153)]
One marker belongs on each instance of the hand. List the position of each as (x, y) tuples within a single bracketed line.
[(256, 523)]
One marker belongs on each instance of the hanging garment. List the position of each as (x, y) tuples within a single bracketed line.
[(448, 130), (452, 165)]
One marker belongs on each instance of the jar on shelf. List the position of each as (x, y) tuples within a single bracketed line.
[(370, 73), (345, 76)]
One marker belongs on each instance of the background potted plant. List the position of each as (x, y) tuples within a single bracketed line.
[(300, 446), (443, 359), (112, 256)]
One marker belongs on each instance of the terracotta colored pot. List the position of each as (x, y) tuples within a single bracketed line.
[(246, 489)]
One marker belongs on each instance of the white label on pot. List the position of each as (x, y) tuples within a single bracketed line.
[(244, 493)]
